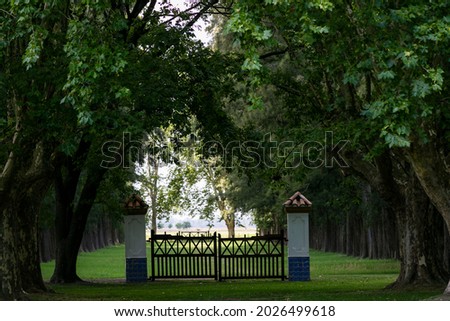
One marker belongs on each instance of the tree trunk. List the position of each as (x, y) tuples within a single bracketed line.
[(11, 283), (20, 270), (230, 222), (46, 248), (70, 225), (434, 175), (153, 178), (420, 261), (421, 256), (23, 184), (28, 237), (154, 216)]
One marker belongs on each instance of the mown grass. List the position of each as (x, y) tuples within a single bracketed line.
[(333, 277)]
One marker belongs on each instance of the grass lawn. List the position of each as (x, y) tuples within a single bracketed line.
[(333, 277)]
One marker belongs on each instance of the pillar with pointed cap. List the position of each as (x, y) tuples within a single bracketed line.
[(135, 239), (297, 208)]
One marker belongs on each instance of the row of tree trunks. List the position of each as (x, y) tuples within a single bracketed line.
[(395, 180), (101, 235), (418, 237), (47, 247), (357, 237)]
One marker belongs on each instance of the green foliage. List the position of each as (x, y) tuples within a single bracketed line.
[(79, 74), (362, 72), (95, 55), (336, 197), (401, 49)]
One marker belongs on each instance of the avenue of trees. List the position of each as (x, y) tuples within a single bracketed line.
[(345, 101), (373, 73)]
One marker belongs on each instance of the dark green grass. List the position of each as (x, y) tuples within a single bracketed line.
[(333, 277)]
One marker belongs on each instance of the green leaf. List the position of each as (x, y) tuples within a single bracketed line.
[(267, 34), (388, 74), (436, 77), (252, 63), (351, 78), (420, 88), (85, 118), (409, 59), (396, 141)]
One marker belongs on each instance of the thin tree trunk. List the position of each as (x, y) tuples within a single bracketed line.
[(230, 223), (152, 188)]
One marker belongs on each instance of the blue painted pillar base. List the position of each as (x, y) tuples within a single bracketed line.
[(136, 269), (299, 269)]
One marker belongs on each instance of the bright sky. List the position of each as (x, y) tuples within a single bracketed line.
[(200, 26)]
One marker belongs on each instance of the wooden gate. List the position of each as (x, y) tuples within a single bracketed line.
[(211, 256), (251, 258), (177, 256)]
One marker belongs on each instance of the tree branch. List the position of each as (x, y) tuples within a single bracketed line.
[(210, 4), (138, 7), (274, 53)]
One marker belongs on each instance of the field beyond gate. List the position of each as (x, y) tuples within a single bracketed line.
[(211, 256)]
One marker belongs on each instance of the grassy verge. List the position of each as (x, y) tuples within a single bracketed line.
[(333, 277)]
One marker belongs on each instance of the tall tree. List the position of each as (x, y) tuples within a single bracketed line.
[(65, 78), (385, 61), (155, 51), (32, 92)]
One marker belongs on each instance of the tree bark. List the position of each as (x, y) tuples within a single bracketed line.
[(420, 251), (28, 237), (153, 178), (70, 224), (434, 176), (428, 161), (399, 187), (11, 283), (230, 223), (20, 201)]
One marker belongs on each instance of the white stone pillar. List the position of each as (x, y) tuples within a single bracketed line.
[(297, 209), (135, 240)]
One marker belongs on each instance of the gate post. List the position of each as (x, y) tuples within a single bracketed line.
[(135, 242), (297, 208)]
